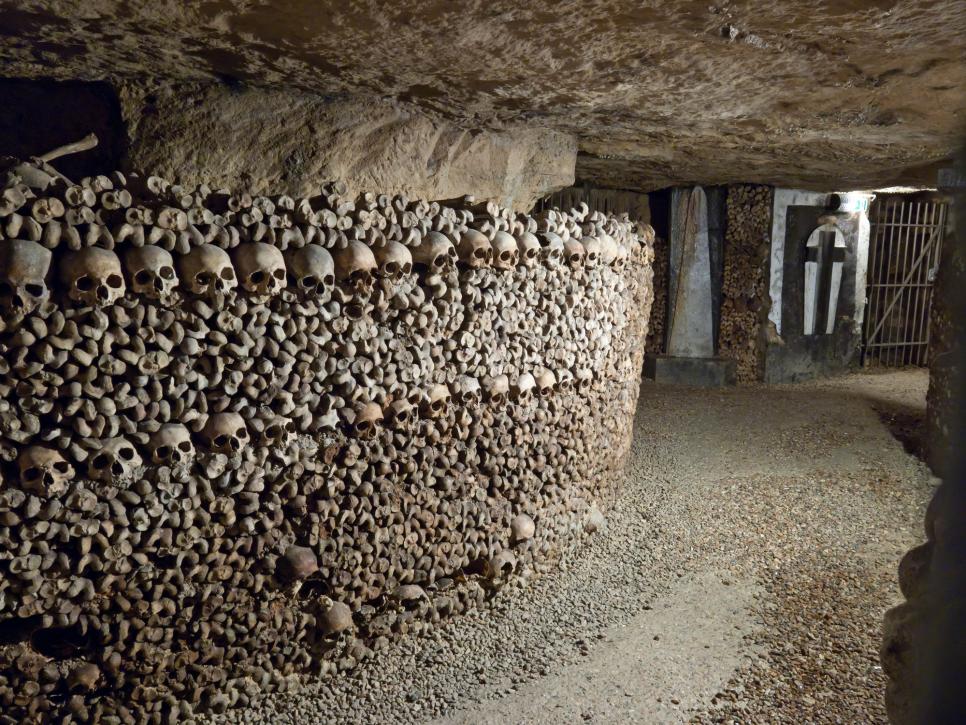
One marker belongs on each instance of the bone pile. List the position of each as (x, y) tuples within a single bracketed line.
[(246, 437), (744, 306)]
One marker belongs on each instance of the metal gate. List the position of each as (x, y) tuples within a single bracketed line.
[(904, 246)]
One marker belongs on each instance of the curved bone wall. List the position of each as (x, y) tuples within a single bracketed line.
[(248, 437)]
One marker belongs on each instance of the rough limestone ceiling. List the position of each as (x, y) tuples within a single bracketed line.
[(847, 93)]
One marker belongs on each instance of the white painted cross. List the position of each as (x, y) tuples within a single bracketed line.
[(823, 275)]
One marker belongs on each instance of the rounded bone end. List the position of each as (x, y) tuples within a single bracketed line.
[(298, 563), (337, 618), (84, 677), (522, 528)]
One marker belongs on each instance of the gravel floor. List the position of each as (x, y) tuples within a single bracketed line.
[(742, 577)]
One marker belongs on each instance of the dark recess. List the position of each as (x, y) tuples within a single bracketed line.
[(38, 115)]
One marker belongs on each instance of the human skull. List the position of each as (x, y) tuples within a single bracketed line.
[(505, 251), (436, 401), (279, 432), (608, 249), (565, 381), (620, 260), (312, 269), (399, 413), (497, 389), (207, 270), (552, 250), (225, 433), (44, 472), (574, 253), (93, 276), (546, 382), (474, 250), (522, 528), (261, 268), (584, 380), (523, 389), (354, 267), (435, 254), (528, 247), (23, 272), (592, 251), (365, 419), (394, 261), (466, 391), (500, 566), (171, 446), (117, 461), (150, 271)]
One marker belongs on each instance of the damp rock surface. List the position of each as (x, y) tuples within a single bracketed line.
[(843, 95)]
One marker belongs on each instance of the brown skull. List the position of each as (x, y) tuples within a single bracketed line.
[(23, 273), (225, 433), (93, 276), (261, 268), (150, 272), (312, 269), (207, 271), (44, 472)]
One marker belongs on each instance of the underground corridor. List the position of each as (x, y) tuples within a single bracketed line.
[(482, 363)]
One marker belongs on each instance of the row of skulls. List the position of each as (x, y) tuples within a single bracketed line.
[(45, 472), (96, 277)]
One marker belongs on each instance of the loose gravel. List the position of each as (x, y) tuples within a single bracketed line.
[(797, 495)]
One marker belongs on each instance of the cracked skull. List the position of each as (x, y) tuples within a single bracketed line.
[(150, 271), (436, 402), (207, 271), (225, 433), (354, 267), (172, 446), (117, 461), (311, 268), (261, 268), (505, 251), (474, 250), (435, 254), (93, 276), (23, 272), (394, 261), (528, 248), (44, 472)]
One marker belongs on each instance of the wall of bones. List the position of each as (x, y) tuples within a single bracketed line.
[(244, 437)]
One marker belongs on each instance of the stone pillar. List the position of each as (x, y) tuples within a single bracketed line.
[(693, 300)]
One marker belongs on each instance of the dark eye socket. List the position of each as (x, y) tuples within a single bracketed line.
[(185, 446), (203, 278), (227, 273), (126, 453), (31, 473), (143, 277), (279, 274), (84, 283), (167, 273), (242, 433), (101, 461), (256, 277), (328, 280), (34, 290), (309, 281), (163, 451), (220, 440), (115, 281), (61, 466)]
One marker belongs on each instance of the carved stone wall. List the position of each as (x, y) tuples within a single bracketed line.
[(248, 437)]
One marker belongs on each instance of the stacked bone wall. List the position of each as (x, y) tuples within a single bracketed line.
[(243, 438), (744, 299)]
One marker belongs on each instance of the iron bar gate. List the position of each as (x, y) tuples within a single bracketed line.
[(905, 242)]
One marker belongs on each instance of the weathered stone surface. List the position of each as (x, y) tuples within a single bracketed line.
[(849, 94), (263, 139)]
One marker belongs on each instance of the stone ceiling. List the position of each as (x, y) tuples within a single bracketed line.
[(844, 94)]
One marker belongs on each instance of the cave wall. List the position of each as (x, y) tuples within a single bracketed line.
[(192, 132), (245, 437)]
